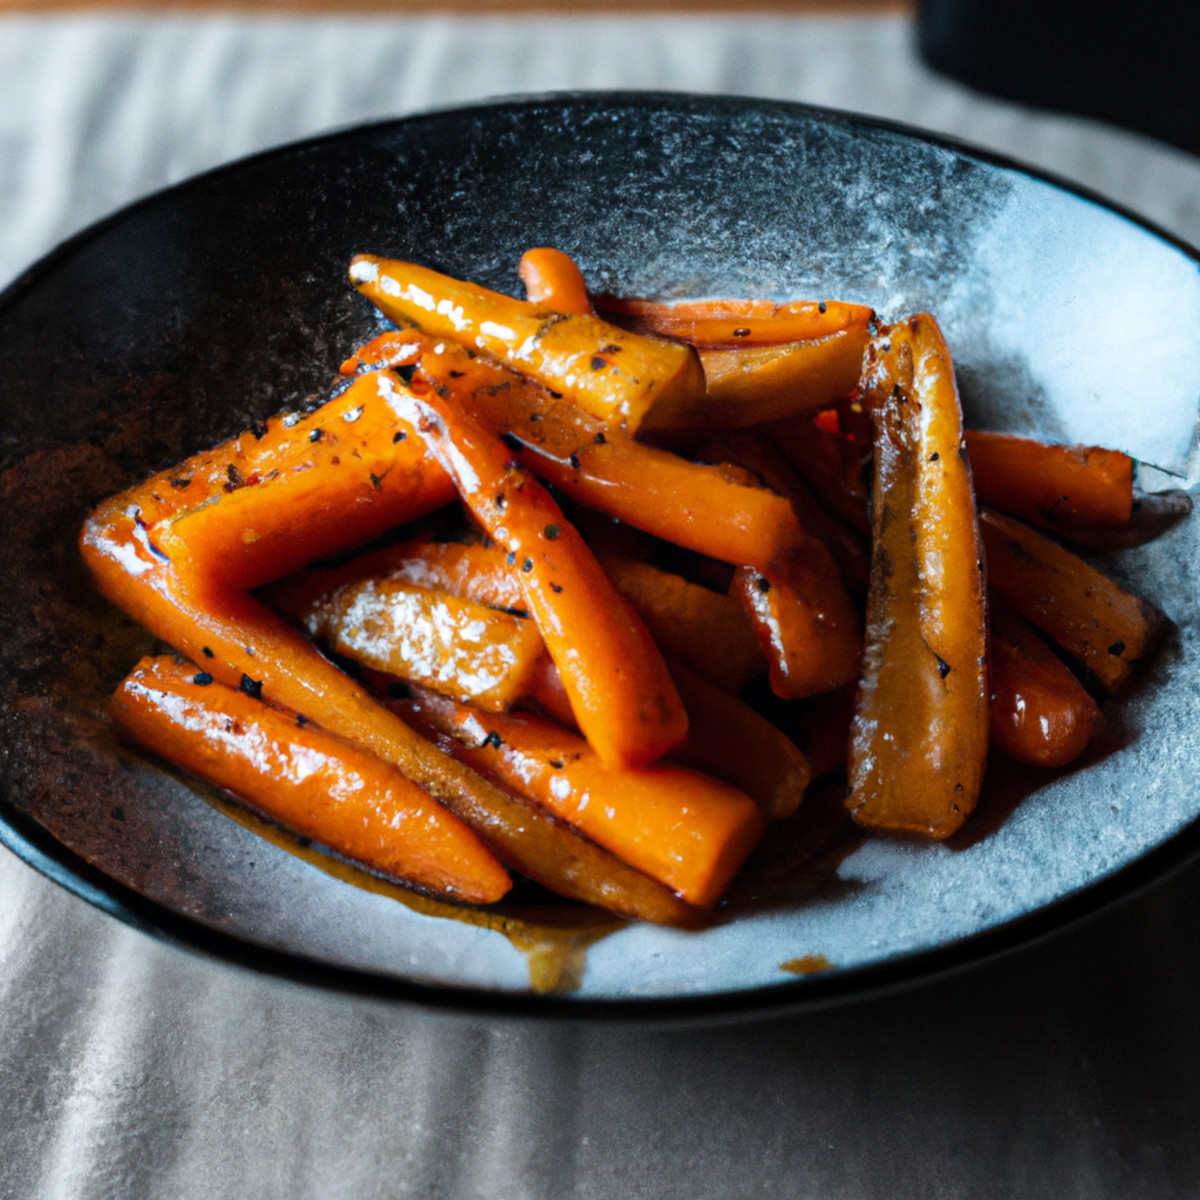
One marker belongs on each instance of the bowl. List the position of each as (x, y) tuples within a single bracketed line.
[(177, 322)]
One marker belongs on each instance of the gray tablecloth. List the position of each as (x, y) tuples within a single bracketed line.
[(131, 1068)]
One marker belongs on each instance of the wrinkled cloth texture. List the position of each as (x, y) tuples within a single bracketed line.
[(132, 1068)]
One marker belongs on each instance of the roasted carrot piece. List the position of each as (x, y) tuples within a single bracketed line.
[(620, 690), (1051, 486), (300, 775), (553, 280), (844, 543), (686, 830), (706, 630), (473, 570), (729, 739), (1038, 711), (623, 379), (750, 385), (698, 507), (1098, 623), (738, 322), (299, 488), (466, 650), (919, 735), (806, 625)]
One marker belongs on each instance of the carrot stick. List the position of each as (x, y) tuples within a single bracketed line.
[(1038, 711), (682, 828), (806, 625), (456, 646), (706, 630), (472, 570), (844, 544), (303, 777), (622, 378), (919, 735), (553, 280), (749, 385), (1054, 487), (738, 322), (1085, 612), (698, 507), (620, 691), (730, 740), (297, 489)]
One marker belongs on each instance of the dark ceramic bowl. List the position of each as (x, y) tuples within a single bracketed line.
[(175, 323)]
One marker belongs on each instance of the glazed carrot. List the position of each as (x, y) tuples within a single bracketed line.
[(241, 643), (553, 280), (738, 322), (297, 489), (623, 379), (472, 570), (620, 691), (702, 508), (749, 385), (1085, 612), (1038, 711), (753, 451), (706, 630), (919, 735), (305, 778), (806, 625), (730, 740), (464, 649), (681, 828), (1051, 486)]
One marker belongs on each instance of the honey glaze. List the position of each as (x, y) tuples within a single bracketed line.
[(553, 934)]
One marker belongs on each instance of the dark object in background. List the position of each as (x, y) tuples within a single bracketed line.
[(1136, 65)]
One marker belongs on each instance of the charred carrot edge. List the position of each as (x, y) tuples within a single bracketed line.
[(456, 646), (1051, 486), (617, 376), (919, 735), (1039, 713), (684, 829), (620, 690), (310, 781), (698, 507), (706, 630), (553, 280), (730, 740), (1104, 627), (737, 322)]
